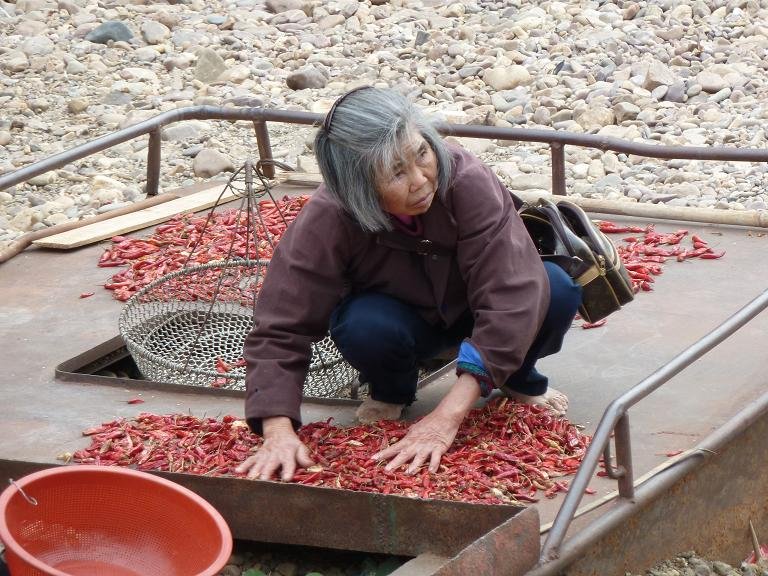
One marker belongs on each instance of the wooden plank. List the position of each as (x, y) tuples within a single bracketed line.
[(135, 220)]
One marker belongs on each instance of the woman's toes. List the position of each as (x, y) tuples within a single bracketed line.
[(371, 411), (557, 400)]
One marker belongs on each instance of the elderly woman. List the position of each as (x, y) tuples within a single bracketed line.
[(410, 247)]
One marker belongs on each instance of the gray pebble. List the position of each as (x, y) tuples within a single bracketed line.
[(113, 30)]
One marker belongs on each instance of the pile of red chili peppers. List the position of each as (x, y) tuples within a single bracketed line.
[(504, 453), (190, 240), (644, 255)]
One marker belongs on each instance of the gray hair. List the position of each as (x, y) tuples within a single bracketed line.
[(366, 132)]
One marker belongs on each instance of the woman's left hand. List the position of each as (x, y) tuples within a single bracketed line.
[(427, 440)]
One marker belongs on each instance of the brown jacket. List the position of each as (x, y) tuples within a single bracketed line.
[(494, 270)]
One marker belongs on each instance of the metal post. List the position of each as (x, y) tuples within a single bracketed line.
[(557, 150), (265, 148), (153, 162), (624, 457)]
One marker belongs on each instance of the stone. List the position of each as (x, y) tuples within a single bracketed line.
[(182, 131), (154, 32), (14, 61), (507, 77), (209, 65), (37, 46), (113, 30), (676, 93), (27, 6), (236, 74), (720, 95), (38, 105), (30, 28), (530, 182), (542, 116), (75, 67), (306, 78), (711, 82), (278, 6), (210, 162), (5, 137), (658, 74), (625, 111), (594, 117), (42, 179), (331, 21)]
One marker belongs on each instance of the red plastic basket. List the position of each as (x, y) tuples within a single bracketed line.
[(109, 521)]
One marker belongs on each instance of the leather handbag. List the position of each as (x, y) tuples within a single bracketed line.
[(565, 235)]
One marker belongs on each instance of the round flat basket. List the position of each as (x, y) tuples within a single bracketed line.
[(189, 327)]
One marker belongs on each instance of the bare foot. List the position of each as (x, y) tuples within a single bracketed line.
[(552, 399), (371, 411)]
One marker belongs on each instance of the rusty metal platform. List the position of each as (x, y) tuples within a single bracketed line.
[(43, 323)]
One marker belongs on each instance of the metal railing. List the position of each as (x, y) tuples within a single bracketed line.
[(615, 418), (260, 116)]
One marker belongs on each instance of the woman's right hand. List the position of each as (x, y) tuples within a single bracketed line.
[(282, 449)]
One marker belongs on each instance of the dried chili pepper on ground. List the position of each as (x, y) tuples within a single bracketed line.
[(503, 453), (224, 237)]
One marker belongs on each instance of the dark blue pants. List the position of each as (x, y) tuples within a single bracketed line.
[(385, 339)]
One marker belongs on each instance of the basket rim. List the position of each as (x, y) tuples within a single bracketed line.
[(189, 269), (13, 546), (131, 303)]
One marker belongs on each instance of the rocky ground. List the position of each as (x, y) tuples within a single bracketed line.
[(691, 564), (668, 72)]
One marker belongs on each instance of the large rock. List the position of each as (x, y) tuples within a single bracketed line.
[(306, 78), (14, 61), (711, 82), (658, 74), (625, 111), (113, 30), (26, 6), (530, 182), (29, 28), (507, 77), (154, 32), (593, 118), (209, 163), (37, 46), (209, 65)]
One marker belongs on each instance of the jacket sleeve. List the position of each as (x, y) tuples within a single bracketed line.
[(303, 284), (507, 284)]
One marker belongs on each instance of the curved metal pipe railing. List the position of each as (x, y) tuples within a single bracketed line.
[(557, 141), (652, 488), (615, 417)]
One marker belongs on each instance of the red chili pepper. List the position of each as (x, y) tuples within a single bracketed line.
[(86, 294), (487, 463), (135, 401)]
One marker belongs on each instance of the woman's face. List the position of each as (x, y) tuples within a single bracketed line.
[(409, 186)]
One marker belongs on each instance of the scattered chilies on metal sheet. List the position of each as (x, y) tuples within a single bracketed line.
[(169, 247), (643, 256), (504, 452)]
